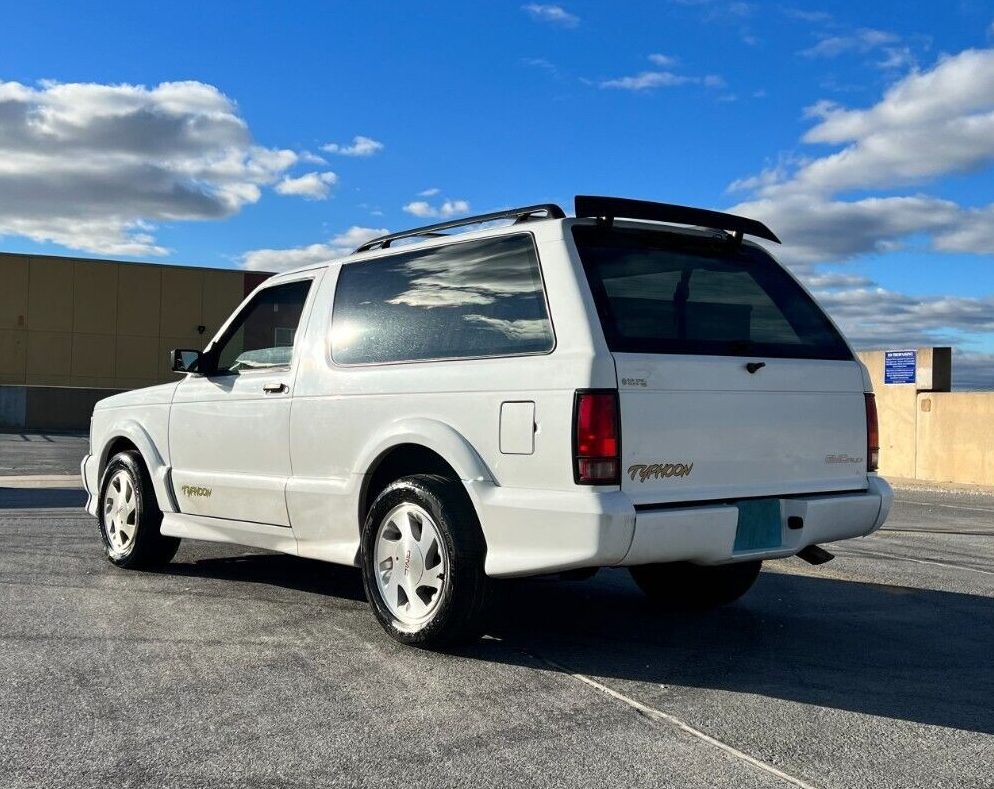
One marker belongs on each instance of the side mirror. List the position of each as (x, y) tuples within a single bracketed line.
[(185, 360)]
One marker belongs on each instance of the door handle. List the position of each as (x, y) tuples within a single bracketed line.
[(279, 388)]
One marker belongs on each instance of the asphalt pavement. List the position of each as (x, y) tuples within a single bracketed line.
[(240, 668), (41, 453)]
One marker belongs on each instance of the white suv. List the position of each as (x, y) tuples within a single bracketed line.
[(549, 395)]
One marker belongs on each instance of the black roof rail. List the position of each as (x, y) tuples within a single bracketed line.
[(611, 208), (551, 210)]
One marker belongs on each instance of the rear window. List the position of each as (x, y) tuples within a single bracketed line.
[(658, 292), (465, 300)]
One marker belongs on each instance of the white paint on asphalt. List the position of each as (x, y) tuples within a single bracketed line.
[(881, 555), (659, 716)]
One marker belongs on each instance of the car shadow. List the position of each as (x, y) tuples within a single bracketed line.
[(912, 654), (899, 652), (274, 569)]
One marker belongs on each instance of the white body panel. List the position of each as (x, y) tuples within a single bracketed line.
[(229, 436), (793, 426), (286, 471)]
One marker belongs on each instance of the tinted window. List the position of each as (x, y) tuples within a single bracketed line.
[(263, 334), (658, 293), (478, 298)]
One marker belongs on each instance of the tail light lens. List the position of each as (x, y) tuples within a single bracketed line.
[(872, 434), (596, 438)]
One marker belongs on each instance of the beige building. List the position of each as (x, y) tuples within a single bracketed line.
[(99, 324)]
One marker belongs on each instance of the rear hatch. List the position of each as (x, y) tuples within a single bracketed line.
[(732, 382)]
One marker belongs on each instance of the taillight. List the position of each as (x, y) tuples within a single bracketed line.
[(596, 438), (872, 434)]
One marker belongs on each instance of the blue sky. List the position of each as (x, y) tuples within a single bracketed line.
[(206, 133)]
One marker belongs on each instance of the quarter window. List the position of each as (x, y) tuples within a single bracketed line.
[(466, 300), (263, 334)]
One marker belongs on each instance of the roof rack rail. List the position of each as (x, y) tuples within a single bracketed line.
[(611, 208), (551, 210)]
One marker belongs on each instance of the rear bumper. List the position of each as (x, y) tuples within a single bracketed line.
[(534, 532)]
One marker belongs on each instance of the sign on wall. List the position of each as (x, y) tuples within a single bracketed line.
[(900, 367)]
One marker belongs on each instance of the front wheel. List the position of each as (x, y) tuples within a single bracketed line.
[(130, 516), (422, 556), (695, 587)]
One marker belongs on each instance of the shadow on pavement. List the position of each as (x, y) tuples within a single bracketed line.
[(288, 572), (898, 652), (912, 654), (29, 498)]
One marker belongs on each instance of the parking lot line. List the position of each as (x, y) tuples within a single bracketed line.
[(658, 715)]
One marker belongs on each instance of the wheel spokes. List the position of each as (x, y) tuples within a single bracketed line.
[(416, 605), (410, 564), (120, 511), (433, 577)]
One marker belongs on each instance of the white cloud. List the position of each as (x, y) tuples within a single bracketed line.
[(453, 207), (554, 14), (449, 208), (94, 167), (873, 316), (420, 208), (437, 280), (973, 370), (648, 80), (310, 186), (897, 58), (929, 124), (545, 65), (361, 146), (861, 41), (664, 61), (284, 259), (819, 230), (807, 16), (521, 329), (429, 192)]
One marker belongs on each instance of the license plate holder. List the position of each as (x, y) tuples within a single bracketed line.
[(760, 525)]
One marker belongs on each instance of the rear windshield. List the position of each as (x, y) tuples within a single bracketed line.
[(659, 292)]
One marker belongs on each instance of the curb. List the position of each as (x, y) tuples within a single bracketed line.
[(42, 481)]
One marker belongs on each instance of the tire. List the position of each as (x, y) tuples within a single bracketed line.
[(425, 526), (694, 587), (129, 516)]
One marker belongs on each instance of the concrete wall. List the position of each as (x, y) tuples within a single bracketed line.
[(955, 436), (928, 432), (44, 408), (104, 324)]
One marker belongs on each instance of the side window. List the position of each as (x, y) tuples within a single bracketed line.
[(263, 334), (464, 300)]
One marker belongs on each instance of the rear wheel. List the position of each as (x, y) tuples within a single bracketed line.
[(130, 517), (681, 585), (422, 557)]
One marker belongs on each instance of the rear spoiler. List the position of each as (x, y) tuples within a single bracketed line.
[(611, 208)]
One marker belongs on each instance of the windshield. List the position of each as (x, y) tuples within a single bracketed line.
[(659, 292)]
